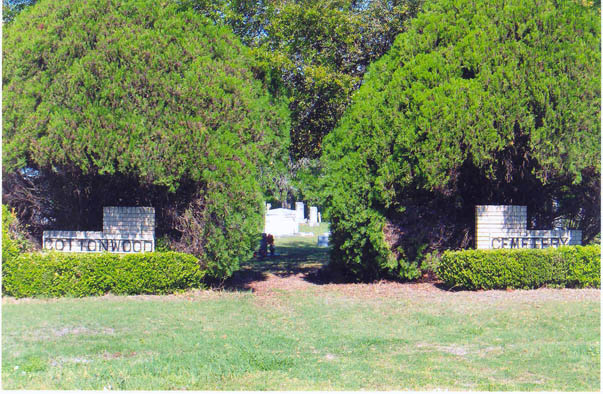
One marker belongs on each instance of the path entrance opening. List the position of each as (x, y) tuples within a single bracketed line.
[(298, 261)]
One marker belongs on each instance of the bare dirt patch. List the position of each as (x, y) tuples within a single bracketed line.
[(268, 284), (274, 283)]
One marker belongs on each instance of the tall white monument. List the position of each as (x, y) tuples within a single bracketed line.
[(299, 212), (313, 221)]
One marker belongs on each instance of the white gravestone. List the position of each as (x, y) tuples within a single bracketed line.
[(313, 221), (280, 222), (125, 230), (299, 210), (505, 227), (323, 240)]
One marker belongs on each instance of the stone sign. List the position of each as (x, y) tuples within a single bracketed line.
[(505, 227), (125, 230)]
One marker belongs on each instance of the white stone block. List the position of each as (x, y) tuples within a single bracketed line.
[(299, 211), (280, 221), (313, 220), (505, 226)]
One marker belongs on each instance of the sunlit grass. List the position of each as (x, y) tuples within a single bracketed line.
[(298, 340)]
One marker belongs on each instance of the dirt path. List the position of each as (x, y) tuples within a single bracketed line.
[(271, 284)]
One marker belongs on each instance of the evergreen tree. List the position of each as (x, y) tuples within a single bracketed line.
[(482, 102), (135, 102)]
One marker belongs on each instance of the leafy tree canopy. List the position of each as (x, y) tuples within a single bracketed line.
[(130, 88), (479, 102), (153, 94), (12, 8), (316, 51)]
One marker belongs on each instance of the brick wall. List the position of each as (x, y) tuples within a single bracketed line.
[(129, 220)]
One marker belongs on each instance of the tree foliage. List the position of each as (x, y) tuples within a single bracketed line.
[(315, 51), (12, 8), (479, 102), (135, 102)]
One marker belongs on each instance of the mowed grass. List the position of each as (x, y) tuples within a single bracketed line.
[(324, 337)]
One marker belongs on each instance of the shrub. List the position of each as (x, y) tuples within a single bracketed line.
[(569, 266), (10, 246), (431, 262), (13, 240), (78, 275)]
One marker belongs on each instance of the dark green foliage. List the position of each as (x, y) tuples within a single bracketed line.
[(138, 103), (79, 275), (320, 50), (569, 266), (316, 51), (483, 102)]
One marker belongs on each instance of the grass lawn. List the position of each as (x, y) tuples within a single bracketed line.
[(295, 334)]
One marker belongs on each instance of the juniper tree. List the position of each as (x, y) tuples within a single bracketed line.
[(479, 102), (136, 102)]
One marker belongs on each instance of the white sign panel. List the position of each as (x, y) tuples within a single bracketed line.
[(505, 227), (125, 230)]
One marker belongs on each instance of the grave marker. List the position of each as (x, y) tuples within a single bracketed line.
[(313, 220), (299, 211)]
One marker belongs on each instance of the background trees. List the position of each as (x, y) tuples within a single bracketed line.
[(481, 102), (118, 103), (315, 52)]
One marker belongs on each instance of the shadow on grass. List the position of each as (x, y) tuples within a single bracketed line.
[(293, 256), (299, 256)]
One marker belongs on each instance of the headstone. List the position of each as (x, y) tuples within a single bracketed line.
[(281, 221), (313, 220), (125, 230), (505, 227), (323, 240), (299, 210)]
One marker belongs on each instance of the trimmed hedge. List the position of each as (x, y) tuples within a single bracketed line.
[(75, 274), (569, 266)]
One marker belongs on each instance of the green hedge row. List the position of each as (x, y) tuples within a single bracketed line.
[(569, 266), (76, 274)]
